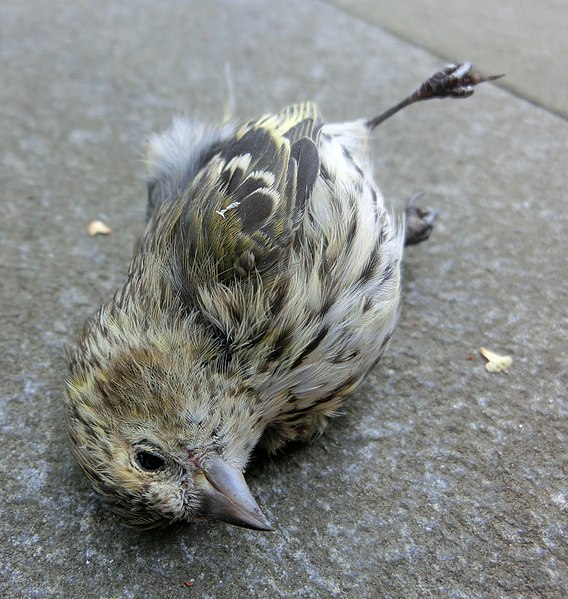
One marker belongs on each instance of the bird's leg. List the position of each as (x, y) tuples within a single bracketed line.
[(419, 221), (453, 81)]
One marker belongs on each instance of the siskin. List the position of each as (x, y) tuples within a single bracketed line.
[(265, 286)]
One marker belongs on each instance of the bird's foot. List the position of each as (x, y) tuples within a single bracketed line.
[(419, 221), (455, 81)]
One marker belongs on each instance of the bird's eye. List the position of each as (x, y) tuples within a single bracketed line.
[(149, 460)]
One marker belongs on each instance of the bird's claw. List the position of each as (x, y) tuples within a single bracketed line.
[(456, 81), (453, 81), (419, 221)]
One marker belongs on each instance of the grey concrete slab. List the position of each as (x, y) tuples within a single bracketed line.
[(440, 479), (526, 39)]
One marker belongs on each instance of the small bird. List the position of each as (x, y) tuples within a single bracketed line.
[(265, 286)]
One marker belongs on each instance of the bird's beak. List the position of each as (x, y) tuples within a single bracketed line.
[(228, 498)]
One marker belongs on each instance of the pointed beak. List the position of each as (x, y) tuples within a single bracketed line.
[(227, 496)]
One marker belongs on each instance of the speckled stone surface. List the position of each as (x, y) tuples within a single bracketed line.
[(440, 479)]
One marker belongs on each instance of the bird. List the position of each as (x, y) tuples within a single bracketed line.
[(265, 286)]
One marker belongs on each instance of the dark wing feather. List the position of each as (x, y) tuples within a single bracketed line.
[(242, 210)]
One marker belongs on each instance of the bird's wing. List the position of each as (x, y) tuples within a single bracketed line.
[(242, 209)]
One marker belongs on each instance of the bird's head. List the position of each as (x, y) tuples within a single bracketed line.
[(162, 437)]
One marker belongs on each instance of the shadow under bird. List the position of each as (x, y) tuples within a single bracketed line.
[(264, 288)]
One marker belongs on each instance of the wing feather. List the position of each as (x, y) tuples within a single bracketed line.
[(242, 210)]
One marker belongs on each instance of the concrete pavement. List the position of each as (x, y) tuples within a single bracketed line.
[(440, 480)]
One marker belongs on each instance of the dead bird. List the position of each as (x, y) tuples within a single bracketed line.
[(264, 288)]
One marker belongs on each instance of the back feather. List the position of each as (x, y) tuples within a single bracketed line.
[(240, 212)]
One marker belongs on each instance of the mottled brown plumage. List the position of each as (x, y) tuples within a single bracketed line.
[(264, 288)]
